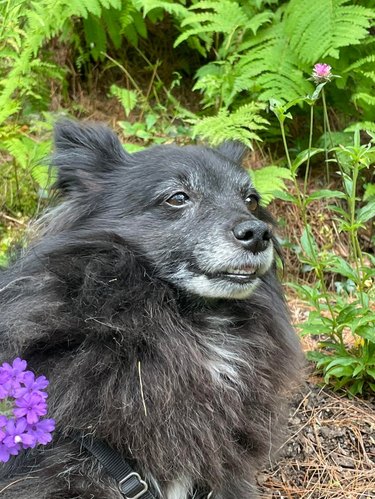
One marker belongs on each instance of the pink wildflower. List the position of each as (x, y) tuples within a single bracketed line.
[(321, 73)]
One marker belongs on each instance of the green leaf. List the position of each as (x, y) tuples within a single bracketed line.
[(369, 192), (318, 30), (342, 361), (285, 196), (303, 156), (315, 355), (339, 265), (337, 209), (308, 244), (366, 332), (339, 372), (129, 147), (325, 194), (347, 313), (367, 319), (95, 36), (357, 387), (358, 370), (367, 212)]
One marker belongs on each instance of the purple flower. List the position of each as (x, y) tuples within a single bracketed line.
[(4, 375), (32, 385), (22, 403), (4, 382), (42, 431), (321, 73), (16, 434), (15, 373), (6, 452), (32, 406), (4, 391)]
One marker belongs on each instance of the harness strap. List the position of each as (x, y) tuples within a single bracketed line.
[(130, 483)]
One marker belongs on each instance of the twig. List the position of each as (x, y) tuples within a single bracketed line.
[(11, 219)]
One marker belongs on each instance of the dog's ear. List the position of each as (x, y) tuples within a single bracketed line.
[(85, 154), (233, 150)]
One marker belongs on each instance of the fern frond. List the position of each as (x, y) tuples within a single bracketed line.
[(225, 16), (173, 8), (128, 98), (241, 125), (270, 180), (366, 98), (269, 67), (319, 29), (368, 61), (361, 125), (42, 20), (213, 17), (258, 20)]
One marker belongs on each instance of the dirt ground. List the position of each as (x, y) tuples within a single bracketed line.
[(330, 453)]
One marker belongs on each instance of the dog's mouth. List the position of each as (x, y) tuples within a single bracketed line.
[(239, 275)]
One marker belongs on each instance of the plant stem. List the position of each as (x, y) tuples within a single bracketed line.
[(126, 72), (326, 127), (167, 92), (302, 206), (356, 250), (307, 171)]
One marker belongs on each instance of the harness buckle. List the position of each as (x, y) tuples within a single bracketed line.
[(129, 486)]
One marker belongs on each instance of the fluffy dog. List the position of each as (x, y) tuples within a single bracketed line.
[(151, 303)]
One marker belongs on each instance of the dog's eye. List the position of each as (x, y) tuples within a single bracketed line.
[(252, 203), (178, 199)]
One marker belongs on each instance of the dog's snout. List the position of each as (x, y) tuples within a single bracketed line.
[(253, 235)]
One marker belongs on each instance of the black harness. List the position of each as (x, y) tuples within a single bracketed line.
[(130, 483)]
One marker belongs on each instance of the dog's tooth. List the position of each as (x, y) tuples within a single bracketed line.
[(246, 270)]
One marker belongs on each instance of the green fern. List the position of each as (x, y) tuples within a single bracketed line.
[(268, 53), (363, 72), (133, 25), (269, 181), (42, 20), (268, 67), (243, 125), (213, 17), (318, 29), (367, 126), (128, 98), (176, 9)]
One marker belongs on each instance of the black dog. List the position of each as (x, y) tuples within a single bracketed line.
[(150, 302)]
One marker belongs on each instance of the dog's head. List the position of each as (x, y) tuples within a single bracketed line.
[(190, 211)]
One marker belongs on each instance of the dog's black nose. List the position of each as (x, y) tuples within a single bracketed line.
[(254, 235)]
